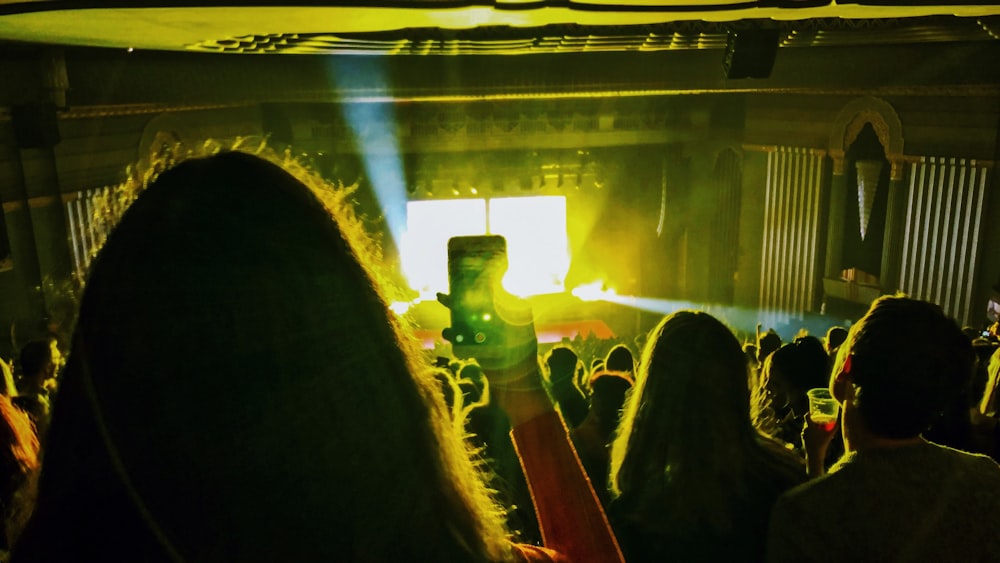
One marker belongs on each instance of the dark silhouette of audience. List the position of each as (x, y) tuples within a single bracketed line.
[(766, 343), (238, 390), (986, 416), (835, 336), (895, 496), (40, 362), (593, 437), (563, 365), (788, 373), (620, 359), (692, 480)]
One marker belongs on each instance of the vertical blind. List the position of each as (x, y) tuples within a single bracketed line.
[(789, 256), (945, 210), (84, 234)]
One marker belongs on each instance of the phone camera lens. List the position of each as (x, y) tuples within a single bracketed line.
[(480, 338)]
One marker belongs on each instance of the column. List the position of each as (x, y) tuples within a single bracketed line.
[(835, 220), (895, 225)]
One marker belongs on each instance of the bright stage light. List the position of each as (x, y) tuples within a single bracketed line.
[(535, 229), (401, 307), (424, 246), (594, 292)]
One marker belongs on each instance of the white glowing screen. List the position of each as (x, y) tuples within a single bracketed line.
[(535, 229)]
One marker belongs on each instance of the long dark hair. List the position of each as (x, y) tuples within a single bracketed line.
[(238, 390), (686, 446)]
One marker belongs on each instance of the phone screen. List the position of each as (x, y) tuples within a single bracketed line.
[(476, 266)]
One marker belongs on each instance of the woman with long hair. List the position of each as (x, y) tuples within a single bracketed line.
[(237, 390), (692, 480), (780, 402)]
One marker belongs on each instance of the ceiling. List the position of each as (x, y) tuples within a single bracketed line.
[(442, 27)]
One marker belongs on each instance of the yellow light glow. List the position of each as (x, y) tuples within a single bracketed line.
[(535, 229), (400, 307), (424, 246), (593, 292)]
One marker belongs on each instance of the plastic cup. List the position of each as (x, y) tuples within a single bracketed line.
[(823, 408)]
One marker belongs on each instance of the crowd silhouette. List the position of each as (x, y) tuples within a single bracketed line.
[(237, 389)]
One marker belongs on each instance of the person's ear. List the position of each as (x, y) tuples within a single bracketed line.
[(841, 379)]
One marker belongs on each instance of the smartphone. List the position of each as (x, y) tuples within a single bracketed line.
[(476, 266)]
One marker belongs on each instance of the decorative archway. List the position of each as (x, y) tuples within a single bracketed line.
[(872, 115), (852, 119)]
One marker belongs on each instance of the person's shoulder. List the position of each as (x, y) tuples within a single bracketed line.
[(828, 485), (976, 467), (973, 461)]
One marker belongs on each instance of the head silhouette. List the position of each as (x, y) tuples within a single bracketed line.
[(244, 391), (908, 361)]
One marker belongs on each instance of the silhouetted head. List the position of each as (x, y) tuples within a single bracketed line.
[(767, 343), (795, 368), (40, 360), (608, 392), (620, 359), (908, 361), (561, 362), (835, 336), (246, 392)]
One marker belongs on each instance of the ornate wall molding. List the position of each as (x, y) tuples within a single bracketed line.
[(852, 119)]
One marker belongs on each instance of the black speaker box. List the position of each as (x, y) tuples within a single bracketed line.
[(36, 126), (750, 53)]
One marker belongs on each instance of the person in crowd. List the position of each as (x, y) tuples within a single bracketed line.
[(691, 479), (835, 336), (986, 416), (18, 473), (40, 361), (984, 349), (563, 363), (593, 437), (766, 343), (789, 372), (971, 333), (621, 360), (238, 390), (894, 496)]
